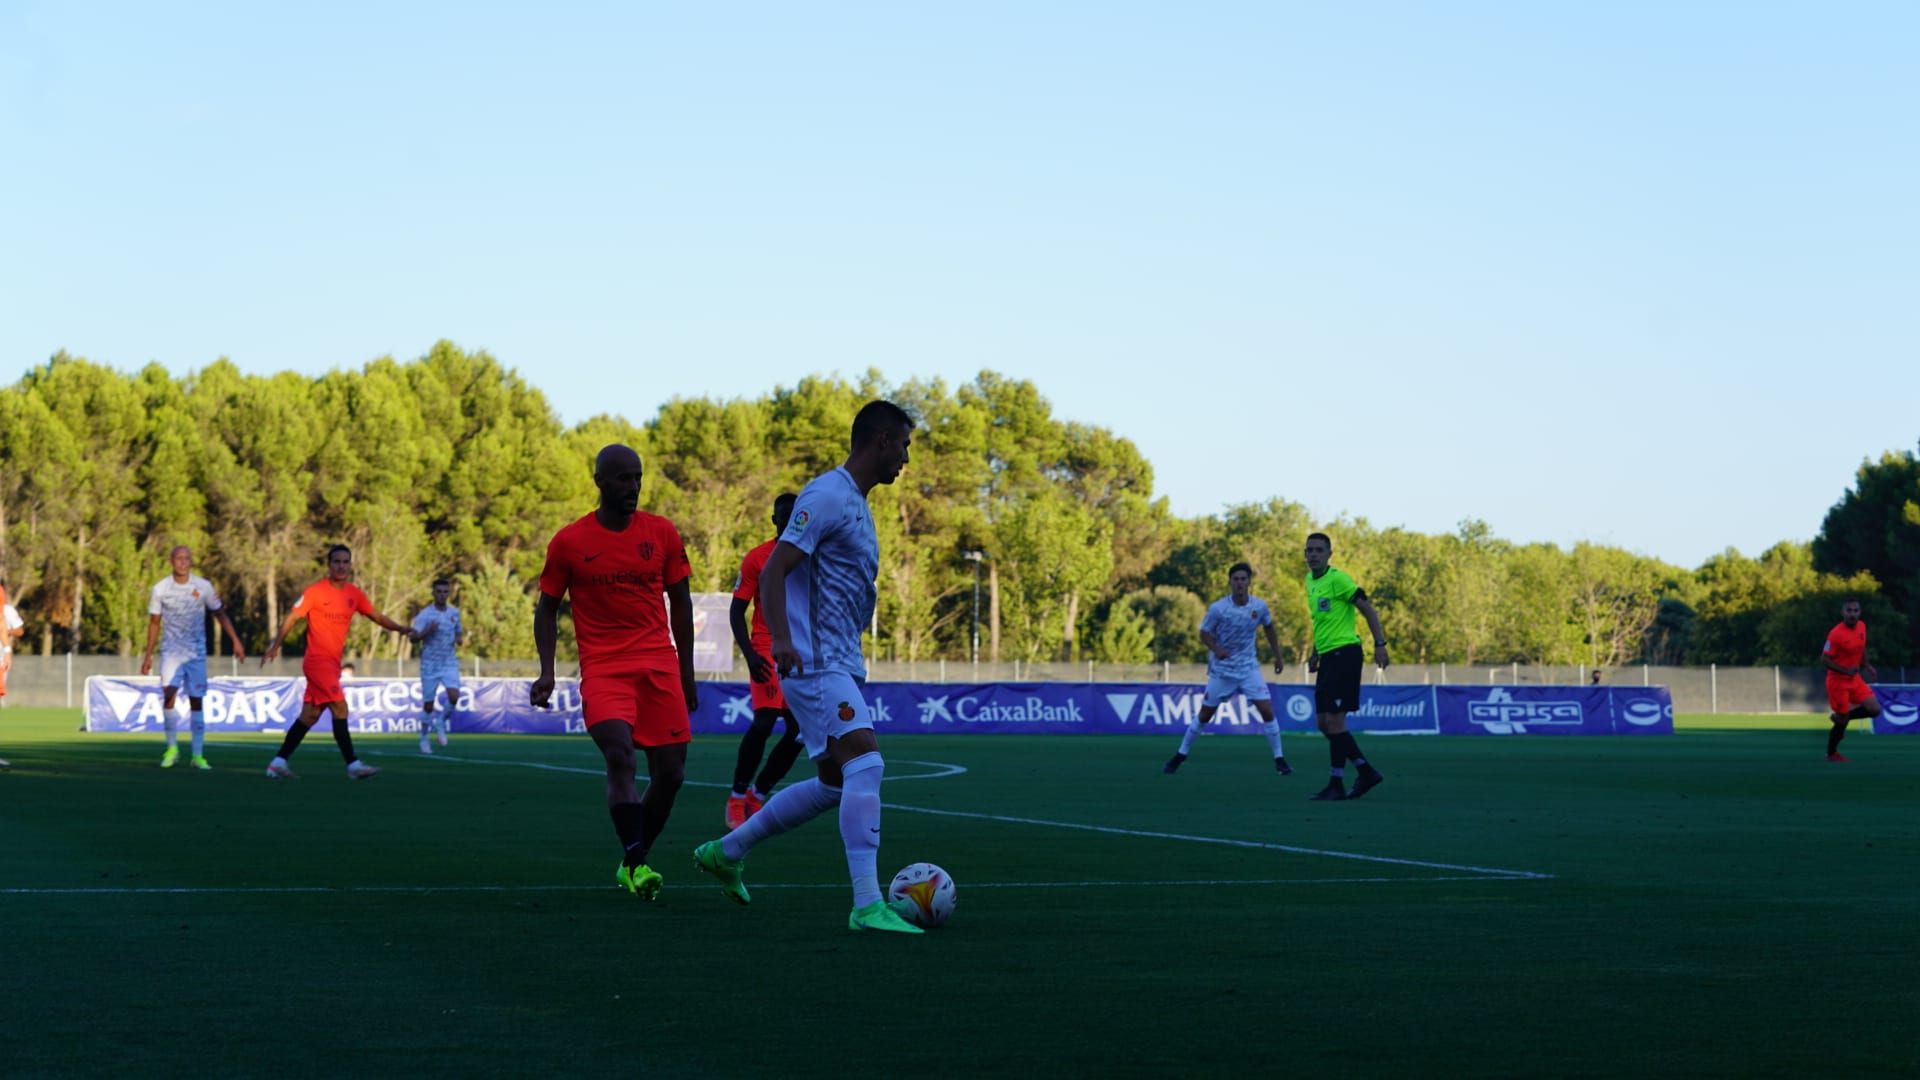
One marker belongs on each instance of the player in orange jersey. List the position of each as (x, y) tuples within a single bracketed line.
[(328, 606), (769, 704), (1845, 657), (636, 659)]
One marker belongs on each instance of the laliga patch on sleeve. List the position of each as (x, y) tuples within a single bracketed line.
[(799, 523)]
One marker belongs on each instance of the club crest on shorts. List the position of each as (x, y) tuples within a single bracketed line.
[(846, 712)]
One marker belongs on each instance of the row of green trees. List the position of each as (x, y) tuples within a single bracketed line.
[(453, 464)]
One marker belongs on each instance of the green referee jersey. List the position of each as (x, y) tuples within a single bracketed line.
[(1330, 601)]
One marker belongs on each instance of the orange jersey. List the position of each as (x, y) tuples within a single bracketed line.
[(329, 610), (616, 581), (747, 587), (1846, 646)]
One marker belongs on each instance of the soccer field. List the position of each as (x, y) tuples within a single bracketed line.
[(1721, 902)]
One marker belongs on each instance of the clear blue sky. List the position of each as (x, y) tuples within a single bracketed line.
[(1642, 273)]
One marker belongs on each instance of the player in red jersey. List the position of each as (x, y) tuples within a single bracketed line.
[(636, 683), (769, 704), (1845, 657), (328, 606)]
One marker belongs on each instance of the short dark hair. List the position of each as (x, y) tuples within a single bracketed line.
[(1323, 538), (443, 580), (785, 498), (1237, 567), (876, 418), (338, 547)]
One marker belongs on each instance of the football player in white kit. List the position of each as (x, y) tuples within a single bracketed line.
[(439, 631), (1233, 664), (177, 621)]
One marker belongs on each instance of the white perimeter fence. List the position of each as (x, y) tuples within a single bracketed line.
[(59, 680)]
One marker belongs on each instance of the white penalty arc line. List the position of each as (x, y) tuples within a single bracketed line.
[(1112, 830), (1490, 871), (290, 890)]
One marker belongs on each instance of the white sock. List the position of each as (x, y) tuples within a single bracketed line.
[(278, 760), (793, 807), (426, 723), (1272, 728), (171, 721), (1186, 741), (860, 824), (197, 722)]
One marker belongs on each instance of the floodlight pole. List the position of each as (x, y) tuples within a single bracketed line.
[(976, 558)]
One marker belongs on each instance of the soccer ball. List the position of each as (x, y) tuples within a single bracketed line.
[(923, 893)]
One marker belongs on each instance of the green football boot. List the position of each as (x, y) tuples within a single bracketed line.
[(880, 915), (169, 759), (712, 859), (200, 763), (642, 881)]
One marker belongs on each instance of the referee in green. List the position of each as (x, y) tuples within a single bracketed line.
[(1332, 598)]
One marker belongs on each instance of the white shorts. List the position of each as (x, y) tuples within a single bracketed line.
[(432, 681), (1221, 687), (828, 706), (189, 673)]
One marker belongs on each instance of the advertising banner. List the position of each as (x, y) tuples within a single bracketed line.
[(1899, 710), (499, 706)]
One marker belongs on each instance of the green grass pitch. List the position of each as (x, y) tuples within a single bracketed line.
[(1719, 903)]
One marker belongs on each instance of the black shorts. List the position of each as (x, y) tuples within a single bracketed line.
[(1337, 689)]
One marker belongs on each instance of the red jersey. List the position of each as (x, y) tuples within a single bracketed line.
[(747, 587), (329, 610), (617, 581), (1846, 646)]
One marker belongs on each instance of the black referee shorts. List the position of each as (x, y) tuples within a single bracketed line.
[(1337, 689)]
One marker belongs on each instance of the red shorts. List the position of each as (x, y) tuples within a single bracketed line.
[(767, 695), (650, 702), (1846, 691), (323, 680)]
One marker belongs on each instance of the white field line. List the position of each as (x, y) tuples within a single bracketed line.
[(1113, 830), (1489, 871), (281, 890)]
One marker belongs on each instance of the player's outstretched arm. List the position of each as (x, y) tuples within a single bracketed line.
[(773, 605), (293, 619), (1366, 609), (153, 638), (757, 667), (680, 619), (233, 635), (546, 632)]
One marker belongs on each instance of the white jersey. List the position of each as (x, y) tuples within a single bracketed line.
[(830, 594), (13, 622), (183, 607), (1233, 627), (438, 629)]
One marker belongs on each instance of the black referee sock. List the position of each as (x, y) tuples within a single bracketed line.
[(1834, 735), (1353, 750), (629, 820)]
